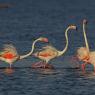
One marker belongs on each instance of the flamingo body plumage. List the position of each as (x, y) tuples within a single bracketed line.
[(84, 54), (9, 54), (47, 53)]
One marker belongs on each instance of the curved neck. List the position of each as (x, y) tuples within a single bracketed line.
[(33, 46), (66, 46), (85, 37)]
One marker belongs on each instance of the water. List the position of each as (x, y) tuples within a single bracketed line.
[(66, 81), (27, 20)]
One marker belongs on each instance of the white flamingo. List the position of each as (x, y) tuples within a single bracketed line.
[(84, 54), (50, 52)]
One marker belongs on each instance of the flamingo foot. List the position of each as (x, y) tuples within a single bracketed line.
[(42, 65)]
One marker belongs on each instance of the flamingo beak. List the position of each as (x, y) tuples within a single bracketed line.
[(73, 27), (45, 40)]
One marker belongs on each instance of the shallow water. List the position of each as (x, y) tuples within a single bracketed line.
[(27, 20), (27, 81)]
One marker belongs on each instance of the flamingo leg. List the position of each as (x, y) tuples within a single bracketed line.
[(83, 67), (38, 65), (43, 64)]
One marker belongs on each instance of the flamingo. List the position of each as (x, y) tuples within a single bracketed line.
[(49, 52), (84, 54), (9, 53)]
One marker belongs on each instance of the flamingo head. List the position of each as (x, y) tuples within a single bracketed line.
[(73, 27), (85, 21), (43, 39), (82, 53)]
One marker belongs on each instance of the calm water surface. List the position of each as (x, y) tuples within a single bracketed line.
[(25, 21), (60, 81)]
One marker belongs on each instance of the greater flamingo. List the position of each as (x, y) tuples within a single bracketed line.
[(9, 53), (49, 52), (84, 54)]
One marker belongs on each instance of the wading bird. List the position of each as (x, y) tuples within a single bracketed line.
[(9, 53), (49, 52), (84, 54)]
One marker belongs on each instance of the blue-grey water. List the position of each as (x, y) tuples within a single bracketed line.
[(26, 20)]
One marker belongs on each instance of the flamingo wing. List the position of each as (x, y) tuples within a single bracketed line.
[(10, 48), (47, 53), (8, 56), (8, 52)]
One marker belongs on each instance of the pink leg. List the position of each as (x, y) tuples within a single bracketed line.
[(37, 63), (43, 65), (83, 67)]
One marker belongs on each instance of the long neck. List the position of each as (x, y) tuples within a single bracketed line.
[(66, 46), (26, 55), (85, 37)]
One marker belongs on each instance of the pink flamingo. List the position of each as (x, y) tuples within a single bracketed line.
[(10, 55), (49, 52), (84, 54)]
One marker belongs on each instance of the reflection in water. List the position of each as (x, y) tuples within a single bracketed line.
[(86, 74), (34, 81), (47, 71), (8, 70), (89, 74)]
